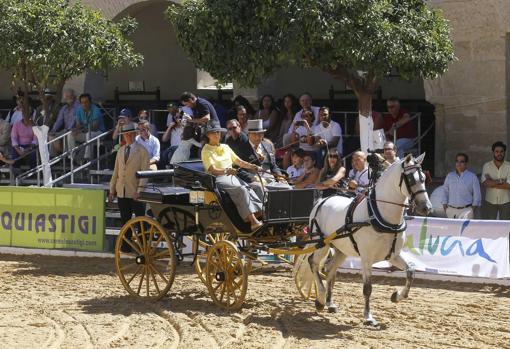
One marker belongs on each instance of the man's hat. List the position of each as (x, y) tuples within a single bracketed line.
[(255, 126), (125, 113), (214, 127), (48, 92), (129, 128)]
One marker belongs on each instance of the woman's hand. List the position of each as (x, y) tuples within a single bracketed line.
[(231, 171), (256, 168)]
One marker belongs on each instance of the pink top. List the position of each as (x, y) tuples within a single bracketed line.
[(22, 134)]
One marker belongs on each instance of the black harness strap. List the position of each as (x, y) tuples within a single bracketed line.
[(392, 249), (379, 224)]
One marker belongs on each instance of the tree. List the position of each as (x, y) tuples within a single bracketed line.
[(47, 42), (359, 42)]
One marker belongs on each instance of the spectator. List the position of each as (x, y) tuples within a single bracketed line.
[(173, 133), (174, 111), (182, 153), (123, 118), (66, 117), (221, 111), (89, 124), (288, 110), (496, 180), (390, 154), (24, 140), (305, 101), (461, 190), (144, 115), (16, 114), (309, 178), (332, 173), (40, 117), (238, 141), (301, 132), (328, 132), (399, 120), (149, 142), (297, 168), (242, 117), (203, 111), (65, 120), (238, 101), (124, 184), (358, 175), (5, 137), (269, 114)]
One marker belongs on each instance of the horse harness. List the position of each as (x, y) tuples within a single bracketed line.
[(375, 218)]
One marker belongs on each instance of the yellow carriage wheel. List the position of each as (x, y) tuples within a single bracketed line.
[(306, 284), (145, 258), (226, 275), (202, 244)]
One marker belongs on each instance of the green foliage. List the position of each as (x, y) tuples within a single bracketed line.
[(47, 42), (358, 41)]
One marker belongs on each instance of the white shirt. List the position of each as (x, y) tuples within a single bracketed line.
[(361, 177), (13, 118), (151, 145), (328, 133), (183, 150), (175, 135), (298, 117), (170, 119), (303, 133), (493, 195), (461, 190), (294, 172)]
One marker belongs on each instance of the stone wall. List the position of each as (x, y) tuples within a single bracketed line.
[(470, 100)]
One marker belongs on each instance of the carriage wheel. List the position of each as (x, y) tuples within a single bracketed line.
[(226, 275), (202, 244), (145, 258), (306, 287)]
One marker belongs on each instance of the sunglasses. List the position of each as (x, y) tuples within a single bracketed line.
[(232, 128), (333, 156), (460, 161), (388, 149)]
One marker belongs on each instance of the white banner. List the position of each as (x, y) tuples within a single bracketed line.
[(455, 247)]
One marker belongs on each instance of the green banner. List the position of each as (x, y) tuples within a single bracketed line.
[(53, 218)]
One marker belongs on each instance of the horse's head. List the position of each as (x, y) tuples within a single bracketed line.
[(412, 183)]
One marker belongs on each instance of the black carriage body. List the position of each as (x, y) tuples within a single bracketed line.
[(282, 207)]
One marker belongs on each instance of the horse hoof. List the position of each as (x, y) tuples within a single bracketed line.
[(372, 324), (319, 306), (333, 309), (394, 297)]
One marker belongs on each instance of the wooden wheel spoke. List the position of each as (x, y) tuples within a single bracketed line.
[(127, 266), (144, 240), (159, 255), (134, 236), (141, 282), (147, 280), (135, 274), (154, 279), (160, 274), (222, 291), (132, 245)]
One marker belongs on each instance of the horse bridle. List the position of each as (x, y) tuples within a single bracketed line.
[(410, 181)]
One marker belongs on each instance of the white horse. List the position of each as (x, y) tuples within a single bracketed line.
[(402, 181)]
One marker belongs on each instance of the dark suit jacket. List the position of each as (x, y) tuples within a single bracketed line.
[(245, 151)]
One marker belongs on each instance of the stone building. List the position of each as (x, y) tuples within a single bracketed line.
[(470, 100)]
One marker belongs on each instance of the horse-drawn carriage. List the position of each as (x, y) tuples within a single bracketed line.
[(190, 211), (224, 249)]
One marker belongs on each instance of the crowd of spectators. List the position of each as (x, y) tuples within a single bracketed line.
[(289, 137)]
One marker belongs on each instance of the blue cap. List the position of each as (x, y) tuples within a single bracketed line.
[(125, 113)]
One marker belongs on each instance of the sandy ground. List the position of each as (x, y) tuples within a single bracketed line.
[(57, 302)]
